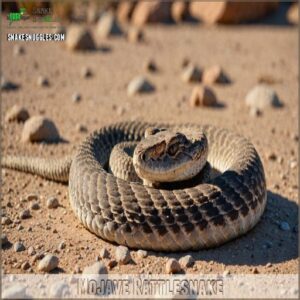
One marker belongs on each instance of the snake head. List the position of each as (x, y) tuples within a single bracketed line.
[(166, 156)]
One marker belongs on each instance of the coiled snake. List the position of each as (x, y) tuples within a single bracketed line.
[(139, 216)]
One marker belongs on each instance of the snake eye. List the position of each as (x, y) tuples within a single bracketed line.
[(173, 149)]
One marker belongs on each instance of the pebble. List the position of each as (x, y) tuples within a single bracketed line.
[(108, 26), (139, 85), (185, 62), (142, 253), (7, 85), (25, 265), (79, 38), (122, 255), (52, 202), (150, 65), (35, 206), (293, 164), (203, 96), (31, 251), (96, 268), (261, 97), (214, 74), (32, 197), (284, 226), (42, 81), (86, 72), (269, 265), (48, 263), (76, 97), (61, 245), (18, 50), (186, 261), (272, 156), (17, 113), (4, 239), (38, 129), (111, 264), (191, 73), (255, 271), (18, 247), (81, 128), (103, 253), (25, 214), (172, 266), (135, 35), (6, 221), (20, 227)]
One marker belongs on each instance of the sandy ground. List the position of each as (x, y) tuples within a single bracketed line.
[(245, 52)]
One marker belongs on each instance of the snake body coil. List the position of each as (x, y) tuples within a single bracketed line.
[(138, 216)]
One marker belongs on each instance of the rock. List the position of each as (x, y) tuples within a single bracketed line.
[(48, 263), (42, 81), (6, 221), (4, 239), (39, 129), (17, 113), (150, 65), (108, 26), (284, 226), (103, 253), (76, 97), (125, 10), (81, 128), (191, 73), (122, 255), (135, 35), (15, 291), (172, 266), (255, 271), (31, 251), (61, 245), (179, 10), (261, 97), (186, 261), (79, 38), (142, 253), (35, 206), (32, 197), (52, 202), (18, 50), (214, 74), (230, 12), (25, 214), (151, 12), (96, 268), (139, 85), (7, 85), (18, 247), (25, 265), (272, 156), (86, 72), (203, 96), (20, 227), (293, 14), (293, 164), (268, 265)]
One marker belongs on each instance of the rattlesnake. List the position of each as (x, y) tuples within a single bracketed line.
[(138, 216)]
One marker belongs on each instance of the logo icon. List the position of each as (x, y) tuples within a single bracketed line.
[(17, 16)]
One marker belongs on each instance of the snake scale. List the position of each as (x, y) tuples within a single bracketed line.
[(138, 216)]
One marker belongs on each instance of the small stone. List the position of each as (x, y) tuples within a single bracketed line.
[(269, 265), (42, 81), (103, 253), (79, 38), (20, 227), (61, 245), (135, 35), (31, 251), (284, 226), (186, 261), (202, 96), (122, 255), (76, 97), (6, 221), (111, 264), (150, 65), (185, 62), (226, 273), (81, 128), (293, 164), (86, 72), (18, 50), (35, 206), (139, 85), (37, 256), (7, 85), (48, 263), (261, 97), (38, 129), (142, 253), (214, 74), (25, 265), (96, 268), (25, 214), (32, 197), (255, 112), (17, 113), (172, 266), (272, 156), (191, 73), (18, 247), (4, 239), (108, 26), (255, 271), (52, 202)]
